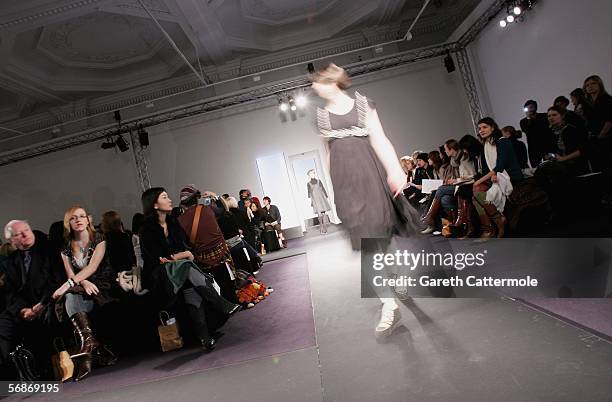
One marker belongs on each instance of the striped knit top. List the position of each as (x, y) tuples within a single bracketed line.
[(352, 124)]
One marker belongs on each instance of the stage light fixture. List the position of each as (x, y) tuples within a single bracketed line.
[(510, 18), (449, 63), (143, 136), (311, 68), (122, 144), (503, 23), (109, 144), (292, 104), (517, 10), (117, 115), (282, 105)]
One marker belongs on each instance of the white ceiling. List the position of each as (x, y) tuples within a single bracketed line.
[(72, 54)]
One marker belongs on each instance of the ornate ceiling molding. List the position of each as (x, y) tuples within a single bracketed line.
[(58, 41), (283, 12), (47, 13)]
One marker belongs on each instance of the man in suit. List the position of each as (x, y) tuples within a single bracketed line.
[(29, 284)]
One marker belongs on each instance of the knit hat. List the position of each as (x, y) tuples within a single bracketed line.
[(188, 191), (423, 156)]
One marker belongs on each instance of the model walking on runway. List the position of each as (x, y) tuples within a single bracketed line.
[(365, 171)]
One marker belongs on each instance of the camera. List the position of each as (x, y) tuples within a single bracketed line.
[(207, 201)]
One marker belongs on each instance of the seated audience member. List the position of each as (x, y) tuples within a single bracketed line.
[(520, 149), (5, 250), (29, 284), (247, 230), (90, 283), (598, 110), (257, 223), (467, 156), (231, 232), (243, 196), (539, 137), (120, 248), (578, 99), (415, 154), (437, 166), (137, 221), (162, 241), (504, 170), (570, 142), (208, 246), (242, 219), (57, 243), (272, 219), (444, 197), (408, 166), (570, 117), (423, 171)]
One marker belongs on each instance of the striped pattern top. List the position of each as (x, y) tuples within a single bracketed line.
[(358, 130)]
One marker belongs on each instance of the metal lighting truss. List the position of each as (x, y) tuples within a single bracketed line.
[(261, 93)]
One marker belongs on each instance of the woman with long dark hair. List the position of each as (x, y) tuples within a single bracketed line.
[(503, 170), (163, 242)]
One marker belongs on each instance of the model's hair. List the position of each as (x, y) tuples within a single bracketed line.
[(111, 222), (68, 232), (332, 74), (149, 199), (495, 135), (308, 173)]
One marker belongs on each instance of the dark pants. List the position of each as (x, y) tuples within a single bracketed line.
[(36, 336)]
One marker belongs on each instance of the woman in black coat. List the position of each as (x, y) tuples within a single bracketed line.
[(163, 241)]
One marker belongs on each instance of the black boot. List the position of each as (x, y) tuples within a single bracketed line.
[(198, 318), (211, 296)]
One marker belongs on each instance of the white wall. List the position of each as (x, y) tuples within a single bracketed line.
[(560, 43), (420, 106), (42, 189)]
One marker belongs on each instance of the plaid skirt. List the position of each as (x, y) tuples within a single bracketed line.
[(220, 254)]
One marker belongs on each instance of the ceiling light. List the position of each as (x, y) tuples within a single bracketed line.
[(517, 10), (283, 106), (502, 23), (292, 104), (510, 18), (122, 144)]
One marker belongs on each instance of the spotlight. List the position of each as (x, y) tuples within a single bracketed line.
[(510, 18), (449, 63), (292, 104), (502, 23), (517, 10), (143, 136), (311, 68), (283, 106), (301, 101), (109, 144), (122, 144)]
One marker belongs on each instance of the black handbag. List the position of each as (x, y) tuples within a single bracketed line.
[(25, 364)]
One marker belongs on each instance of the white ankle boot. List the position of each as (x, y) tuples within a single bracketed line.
[(389, 319)]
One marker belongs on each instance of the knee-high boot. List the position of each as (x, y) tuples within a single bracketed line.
[(498, 218), (211, 296), (465, 218), (198, 318), (88, 344)]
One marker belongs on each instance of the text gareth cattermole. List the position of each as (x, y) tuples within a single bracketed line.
[(412, 260)]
